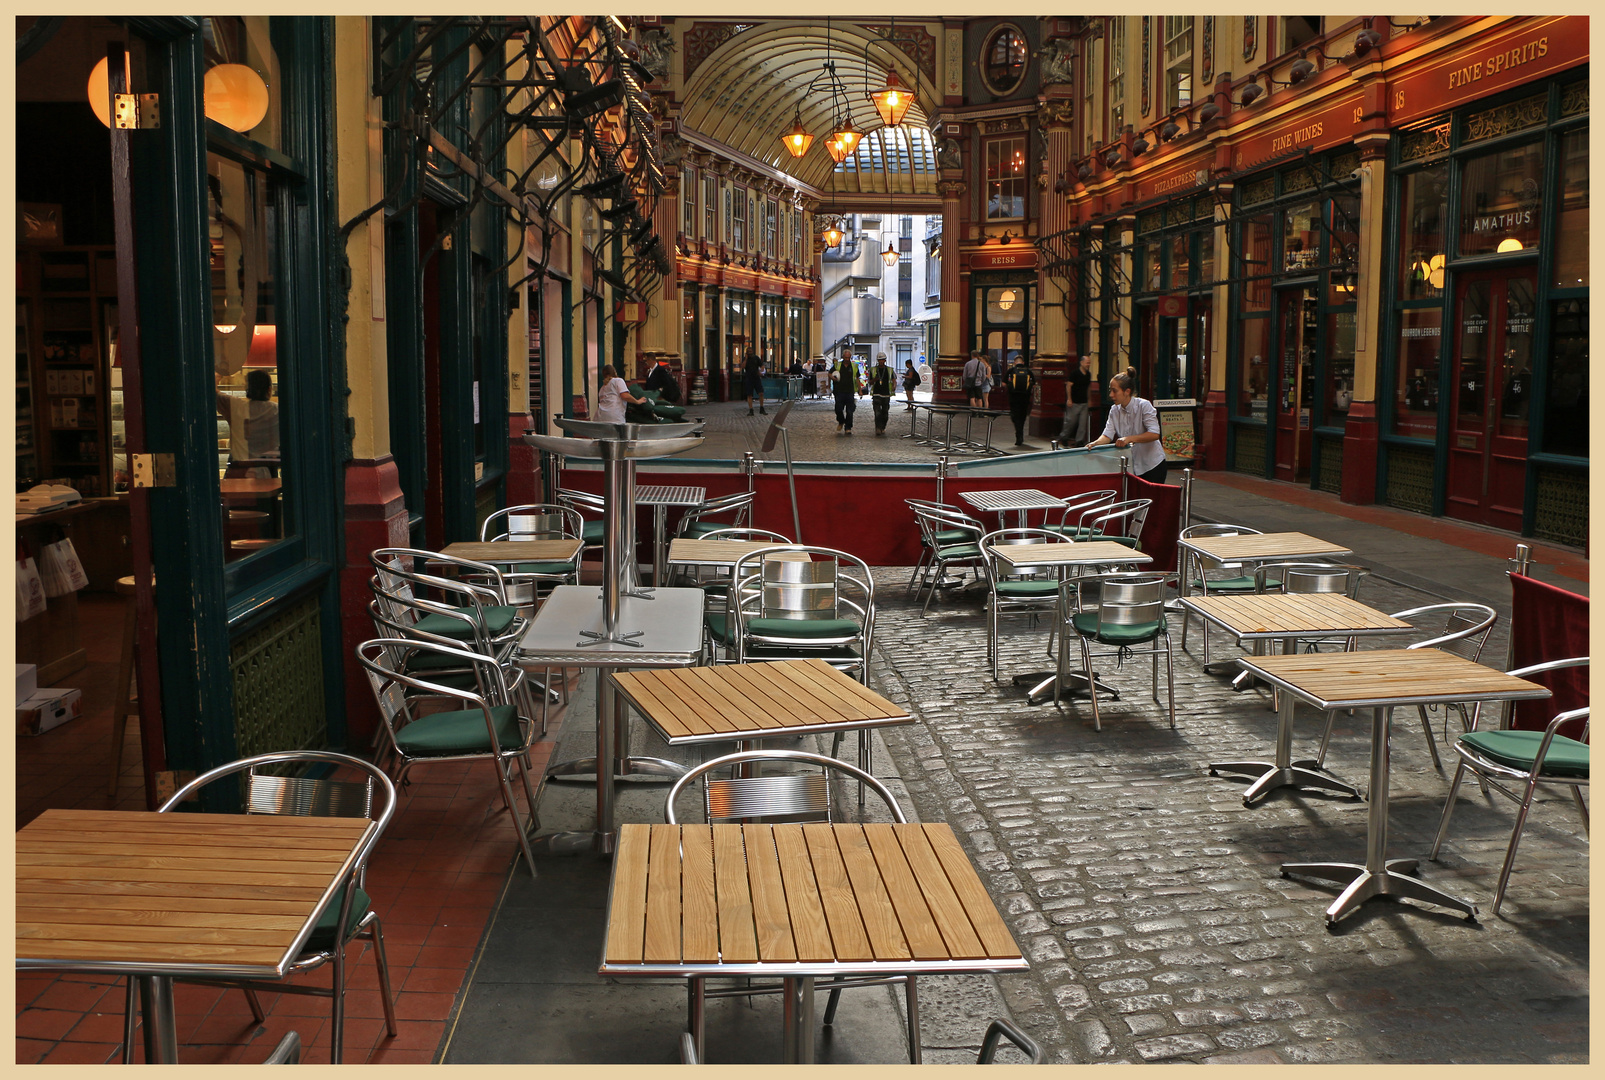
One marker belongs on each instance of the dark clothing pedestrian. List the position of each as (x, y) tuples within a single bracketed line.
[(844, 383), (1076, 428), (1020, 381), (752, 381), (663, 382), (882, 382)]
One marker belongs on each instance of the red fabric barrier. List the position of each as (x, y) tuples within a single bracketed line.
[(866, 515), (1547, 623)]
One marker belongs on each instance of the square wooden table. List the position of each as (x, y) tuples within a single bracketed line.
[(1382, 680), (1288, 617), (1261, 547), (799, 902), (508, 552), (158, 896), (1020, 501), (660, 497), (1054, 554), (724, 553)]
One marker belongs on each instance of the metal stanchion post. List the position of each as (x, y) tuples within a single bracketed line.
[(941, 475), (1125, 474), (1186, 497), (749, 466), (1521, 565)]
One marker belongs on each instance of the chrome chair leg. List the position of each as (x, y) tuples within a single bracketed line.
[(916, 1054), (1448, 808), (1432, 744), (1515, 842), (386, 999)]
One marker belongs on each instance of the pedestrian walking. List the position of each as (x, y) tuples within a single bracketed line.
[(911, 379), (882, 384), (846, 387), (1075, 429), (977, 379), (752, 381), (1019, 380)]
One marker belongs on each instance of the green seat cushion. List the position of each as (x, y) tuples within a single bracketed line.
[(703, 528), (1517, 749), (1046, 587), (781, 652), (1244, 583), (959, 551), (323, 934), (803, 628), (432, 661), (591, 534), (497, 620), (716, 589), (455, 680), (954, 536), (715, 622), (1086, 624), (544, 568), (461, 731)]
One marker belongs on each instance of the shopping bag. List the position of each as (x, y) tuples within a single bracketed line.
[(72, 569), (30, 590), (50, 573)]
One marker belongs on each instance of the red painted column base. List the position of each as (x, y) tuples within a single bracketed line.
[(375, 517), (1212, 433), (1360, 448), (523, 463)]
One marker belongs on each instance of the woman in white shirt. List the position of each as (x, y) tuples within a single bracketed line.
[(613, 396), (1134, 423)]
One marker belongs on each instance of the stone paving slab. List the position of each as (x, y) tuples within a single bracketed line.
[(1149, 899)]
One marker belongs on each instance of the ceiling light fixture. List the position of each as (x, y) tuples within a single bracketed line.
[(892, 100)]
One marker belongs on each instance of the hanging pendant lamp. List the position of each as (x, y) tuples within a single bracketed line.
[(797, 140), (893, 100)]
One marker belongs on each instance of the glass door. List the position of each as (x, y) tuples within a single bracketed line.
[(1492, 386), (1297, 329)]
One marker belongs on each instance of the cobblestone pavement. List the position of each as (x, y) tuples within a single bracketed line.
[(1148, 897)]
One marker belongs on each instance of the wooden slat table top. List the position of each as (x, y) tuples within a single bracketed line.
[(1293, 614), (669, 495), (514, 551), (1088, 552), (96, 889), (733, 701), (1009, 501), (685, 552), (1264, 547), (800, 899), (250, 485), (1390, 677)]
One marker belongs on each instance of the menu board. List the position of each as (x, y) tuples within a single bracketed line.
[(1177, 433)]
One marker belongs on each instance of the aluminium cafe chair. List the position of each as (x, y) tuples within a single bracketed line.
[(944, 555), (1463, 631), (1195, 570), (1029, 591), (536, 521), (956, 534), (349, 915), (1129, 611), (720, 584), (486, 725), (694, 524), (1527, 759), (790, 797), (592, 510), (1077, 505)]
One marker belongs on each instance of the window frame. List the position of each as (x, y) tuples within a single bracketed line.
[(987, 149), (1178, 32), (983, 61)]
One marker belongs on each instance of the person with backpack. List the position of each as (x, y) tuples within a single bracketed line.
[(1019, 380), (911, 379), (881, 386), (977, 379), (752, 382), (846, 388)]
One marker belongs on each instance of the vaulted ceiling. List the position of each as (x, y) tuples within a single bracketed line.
[(746, 92)]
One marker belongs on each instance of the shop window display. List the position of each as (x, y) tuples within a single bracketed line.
[(1416, 393), (1571, 226), (1501, 203)]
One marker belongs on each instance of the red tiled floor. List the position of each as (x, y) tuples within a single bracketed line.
[(435, 877)]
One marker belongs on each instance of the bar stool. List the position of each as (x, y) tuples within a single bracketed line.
[(127, 699)]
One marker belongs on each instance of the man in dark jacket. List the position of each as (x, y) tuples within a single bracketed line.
[(663, 381), (1019, 381), (882, 381), (752, 382), (846, 388)]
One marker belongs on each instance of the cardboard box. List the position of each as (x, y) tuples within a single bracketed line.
[(27, 681), (48, 708)]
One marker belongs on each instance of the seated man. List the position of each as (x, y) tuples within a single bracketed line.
[(253, 425)]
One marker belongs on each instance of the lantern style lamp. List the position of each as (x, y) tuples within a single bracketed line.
[(832, 235), (236, 96), (98, 91), (797, 140), (892, 100), (889, 254), (846, 137)]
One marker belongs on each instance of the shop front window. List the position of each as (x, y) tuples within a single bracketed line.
[(1153, 273), (1421, 253), (1256, 260), (1501, 203), (1415, 410), (1181, 260), (1339, 366), (1566, 404), (1301, 237), (1571, 225), (1206, 257), (242, 224), (1254, 373)]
